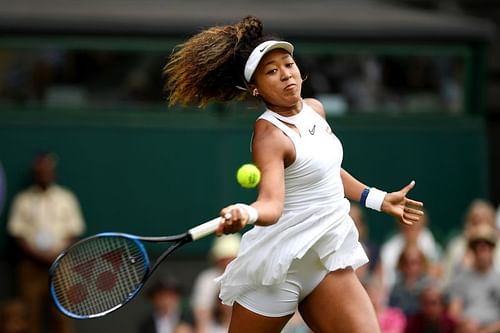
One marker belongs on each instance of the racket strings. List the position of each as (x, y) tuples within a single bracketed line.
[(99, 275)]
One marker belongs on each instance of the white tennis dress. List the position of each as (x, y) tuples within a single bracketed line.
[(315, 213)]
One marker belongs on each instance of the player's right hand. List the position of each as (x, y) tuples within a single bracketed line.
[(233, 219)]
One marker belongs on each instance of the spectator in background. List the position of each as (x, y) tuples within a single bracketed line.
[(220, 318), (475, 293), (373, 267), (168, 315), (458, 256), (391, 319), (431, 316), (418, 234), (412, 278), (44, 220), (205, 291)]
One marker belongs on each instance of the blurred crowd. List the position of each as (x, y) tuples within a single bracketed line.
[(354, 83), (416, 284)]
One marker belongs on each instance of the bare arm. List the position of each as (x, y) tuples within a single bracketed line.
[(352, 187), (272, 150), (395, 203)]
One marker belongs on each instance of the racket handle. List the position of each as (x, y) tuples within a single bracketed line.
[(204, 229)]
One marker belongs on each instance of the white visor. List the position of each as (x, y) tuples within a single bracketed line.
[(260, 51)]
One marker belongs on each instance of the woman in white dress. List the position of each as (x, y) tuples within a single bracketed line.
[(302, 251)]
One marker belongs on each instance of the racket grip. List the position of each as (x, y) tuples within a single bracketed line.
[(204, 229)]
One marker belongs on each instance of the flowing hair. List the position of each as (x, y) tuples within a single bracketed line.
[(209, 65)]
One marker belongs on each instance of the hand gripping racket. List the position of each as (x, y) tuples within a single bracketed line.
[(101, 273)]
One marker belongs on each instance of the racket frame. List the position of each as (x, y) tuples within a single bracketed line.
[(192, 234)]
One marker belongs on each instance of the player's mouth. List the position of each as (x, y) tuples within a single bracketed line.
[(290, 86)]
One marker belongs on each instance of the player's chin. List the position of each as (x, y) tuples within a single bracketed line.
[(290, 100)]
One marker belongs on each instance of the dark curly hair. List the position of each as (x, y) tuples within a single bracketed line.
[(209, 66)]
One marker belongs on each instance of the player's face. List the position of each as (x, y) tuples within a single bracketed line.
[(278, 79)]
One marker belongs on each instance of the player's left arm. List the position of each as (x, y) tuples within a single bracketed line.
[(396, 203)]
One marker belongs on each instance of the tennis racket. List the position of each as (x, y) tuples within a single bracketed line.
[(101, 273)]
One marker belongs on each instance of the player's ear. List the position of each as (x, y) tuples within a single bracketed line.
[(252, 89)]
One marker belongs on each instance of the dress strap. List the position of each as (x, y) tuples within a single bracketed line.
[(278, 121)]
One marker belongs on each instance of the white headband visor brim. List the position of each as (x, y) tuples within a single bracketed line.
[(260, 51)]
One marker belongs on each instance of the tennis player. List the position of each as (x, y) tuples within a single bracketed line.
[(304, 247)]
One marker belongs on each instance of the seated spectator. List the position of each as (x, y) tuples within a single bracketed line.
[(411, 279), (475, 293), (219, 319), (418, 234), (167, 316), (458, 256), (205, 296), (431, 316), (391, 319)]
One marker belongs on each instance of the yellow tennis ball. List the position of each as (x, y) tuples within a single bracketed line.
[(248, 175)]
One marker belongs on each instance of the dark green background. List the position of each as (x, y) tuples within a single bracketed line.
[(158, 173)]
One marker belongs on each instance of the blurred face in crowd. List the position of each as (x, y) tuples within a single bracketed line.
[(44, 170), (479, 213), (431, 303), (166, 301), (483, 254), (412, 263)]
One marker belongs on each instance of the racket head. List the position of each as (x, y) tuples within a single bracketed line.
[(98, 275)]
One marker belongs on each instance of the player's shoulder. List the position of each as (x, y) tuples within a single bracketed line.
[(316, 105), (265, 127)]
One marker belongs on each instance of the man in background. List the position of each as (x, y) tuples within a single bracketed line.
[(475, 293), (209, 313), (44, 219)]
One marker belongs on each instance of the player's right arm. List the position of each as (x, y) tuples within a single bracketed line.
[(272, 151)]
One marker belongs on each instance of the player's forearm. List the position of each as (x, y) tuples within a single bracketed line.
[(269, 212), (352, 187)]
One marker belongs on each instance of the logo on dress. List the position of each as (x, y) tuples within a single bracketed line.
[(312, 130)]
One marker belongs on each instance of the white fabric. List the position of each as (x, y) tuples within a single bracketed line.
[(167, 323), (46, 219), (257, 54), (281, 299), (315, 213)]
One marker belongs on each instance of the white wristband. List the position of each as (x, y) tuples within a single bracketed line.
[(253, 214), (375, 198)]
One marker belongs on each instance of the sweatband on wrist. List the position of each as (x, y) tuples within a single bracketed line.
[(253, 215), (364, 194), (375, 198)]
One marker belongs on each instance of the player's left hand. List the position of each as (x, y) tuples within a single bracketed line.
[(406, 210)]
